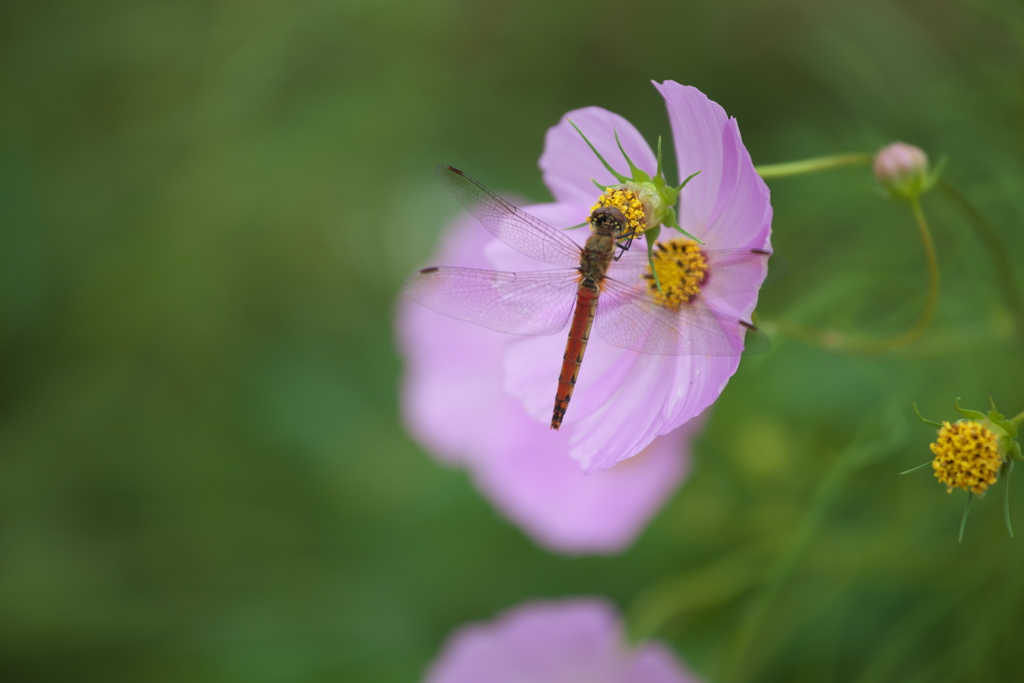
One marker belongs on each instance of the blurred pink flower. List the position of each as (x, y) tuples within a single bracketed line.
[(454, 404), (554, 642)]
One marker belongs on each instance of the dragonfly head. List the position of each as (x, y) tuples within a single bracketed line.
[(607, 220)]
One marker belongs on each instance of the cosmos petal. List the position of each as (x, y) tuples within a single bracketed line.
[(569, 164), (742, 215), (697, 124), (659, 395)]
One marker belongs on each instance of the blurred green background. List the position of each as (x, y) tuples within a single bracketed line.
[(207, 209)]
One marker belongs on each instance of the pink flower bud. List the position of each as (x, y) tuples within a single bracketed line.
[(903, 170), (899, 161)]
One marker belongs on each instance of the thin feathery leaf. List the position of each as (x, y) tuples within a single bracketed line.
[(621, 178), (633, 170), (963, 521), (923, 418), (688, 179), (915, 469)]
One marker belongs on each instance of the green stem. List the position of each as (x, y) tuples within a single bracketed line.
[(933, 282), (791, 168), (837, 340), (997, 251)]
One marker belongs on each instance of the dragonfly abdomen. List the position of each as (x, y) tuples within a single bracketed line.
[(575, 347)]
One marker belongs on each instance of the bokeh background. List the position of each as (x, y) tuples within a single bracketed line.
[(207, 210)]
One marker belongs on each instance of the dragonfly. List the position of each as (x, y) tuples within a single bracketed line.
[(593, 288)]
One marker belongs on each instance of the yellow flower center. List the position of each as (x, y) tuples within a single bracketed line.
[(966, 456), (681, 271), (628, 202)]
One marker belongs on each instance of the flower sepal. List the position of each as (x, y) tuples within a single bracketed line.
[(647, 201), (1015, 451), (968, 413), (998, 420)]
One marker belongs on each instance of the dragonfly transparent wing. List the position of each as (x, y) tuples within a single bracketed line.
[(536, 302), (629, 317), (528, 235)]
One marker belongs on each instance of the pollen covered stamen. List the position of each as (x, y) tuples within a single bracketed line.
[(966, 456), (629, 203), (681, 271)]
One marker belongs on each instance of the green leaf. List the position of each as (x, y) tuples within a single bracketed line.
[(671, 222), (688, 179), (618, 176), (933, 177), (639, 175)]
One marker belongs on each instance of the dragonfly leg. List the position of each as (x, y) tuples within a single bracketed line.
[(623, 248)]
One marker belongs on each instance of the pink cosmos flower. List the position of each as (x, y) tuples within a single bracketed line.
[(483, 400), (624, 400), (553, 642), (454, 404)]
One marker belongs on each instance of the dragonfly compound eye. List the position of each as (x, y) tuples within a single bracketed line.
[(630, 206), (608, 220)]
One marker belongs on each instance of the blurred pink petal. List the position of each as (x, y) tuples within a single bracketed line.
[(531, 479), (453, 403), (450, 371), (554, 642)]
